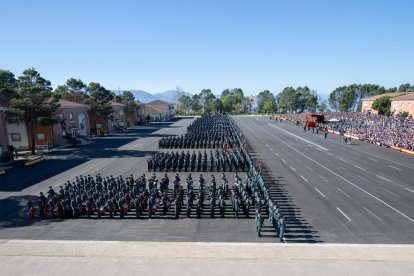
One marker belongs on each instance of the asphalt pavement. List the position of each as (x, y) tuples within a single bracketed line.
[(117, 154), (328, 191), (334, 192)]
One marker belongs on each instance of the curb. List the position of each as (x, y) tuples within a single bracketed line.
[(33, 161)]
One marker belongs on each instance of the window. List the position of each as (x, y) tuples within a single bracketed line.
[(40, 136), (16, 137), (121, 112), (409, 105), (402, 105), (61, 117), (71, 116), (98, 126)]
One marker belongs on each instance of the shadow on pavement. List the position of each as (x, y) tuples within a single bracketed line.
[(19, 178), (298, 229)]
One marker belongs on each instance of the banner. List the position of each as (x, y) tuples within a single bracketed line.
[(82, 124), (252, 100)]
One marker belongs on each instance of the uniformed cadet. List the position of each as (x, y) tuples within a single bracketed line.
[(73, 205), (282, 228), (110, 208), (177, 208), (121, 208), (150, 206), (259, 223)]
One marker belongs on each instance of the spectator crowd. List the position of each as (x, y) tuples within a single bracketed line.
[(379, 129)]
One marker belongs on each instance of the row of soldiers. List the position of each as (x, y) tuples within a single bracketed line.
[(229, 160), (96, 197), (259, 190), (215, 131)]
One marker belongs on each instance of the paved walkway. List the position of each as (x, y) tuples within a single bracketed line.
[(28, 257)]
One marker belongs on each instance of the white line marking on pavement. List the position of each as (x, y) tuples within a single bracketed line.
[(377, 156), (277, 154), (343, 192), (395, 167), (323, 178), (271, 149), (359, 167), (377, 217), (342, 160), (283, 160), (410, 190), (267, 145), (356, 153), (301, 138), (383, 178), (343, 213), (391, 192), (304, 178), (293, 169), (372, 159), (309, 168), (340, 176), (320, 192)]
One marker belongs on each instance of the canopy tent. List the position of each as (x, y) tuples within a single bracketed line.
[(333, 120)]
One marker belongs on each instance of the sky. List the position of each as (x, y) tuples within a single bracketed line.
[(156, 45)]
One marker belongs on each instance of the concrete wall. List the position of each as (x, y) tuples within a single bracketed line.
[(366, 106), (71, 116), (119, 118), (402, 106), (19, 128)]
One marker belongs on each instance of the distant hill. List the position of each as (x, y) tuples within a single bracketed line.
[(146, 97)]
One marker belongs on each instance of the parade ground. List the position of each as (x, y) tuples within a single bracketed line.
[(358, 193), (348, 208)]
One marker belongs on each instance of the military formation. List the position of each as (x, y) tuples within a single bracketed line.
[(110, 197), (217, 160), (206, 132)]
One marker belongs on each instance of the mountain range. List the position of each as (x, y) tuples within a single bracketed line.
[(146, 97)]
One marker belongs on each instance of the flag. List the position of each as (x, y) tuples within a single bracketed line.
[(252, 100)]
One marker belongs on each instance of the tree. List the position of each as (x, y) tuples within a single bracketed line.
[(286, 99), (343, 98), (218, 106), (232, 100), (34, 100), (74, 90), (184, 105), (7, 87), (196, 105), (128, 99), (404, 87), (99, 101), (266, 102), (207, 100), (382, 105)]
